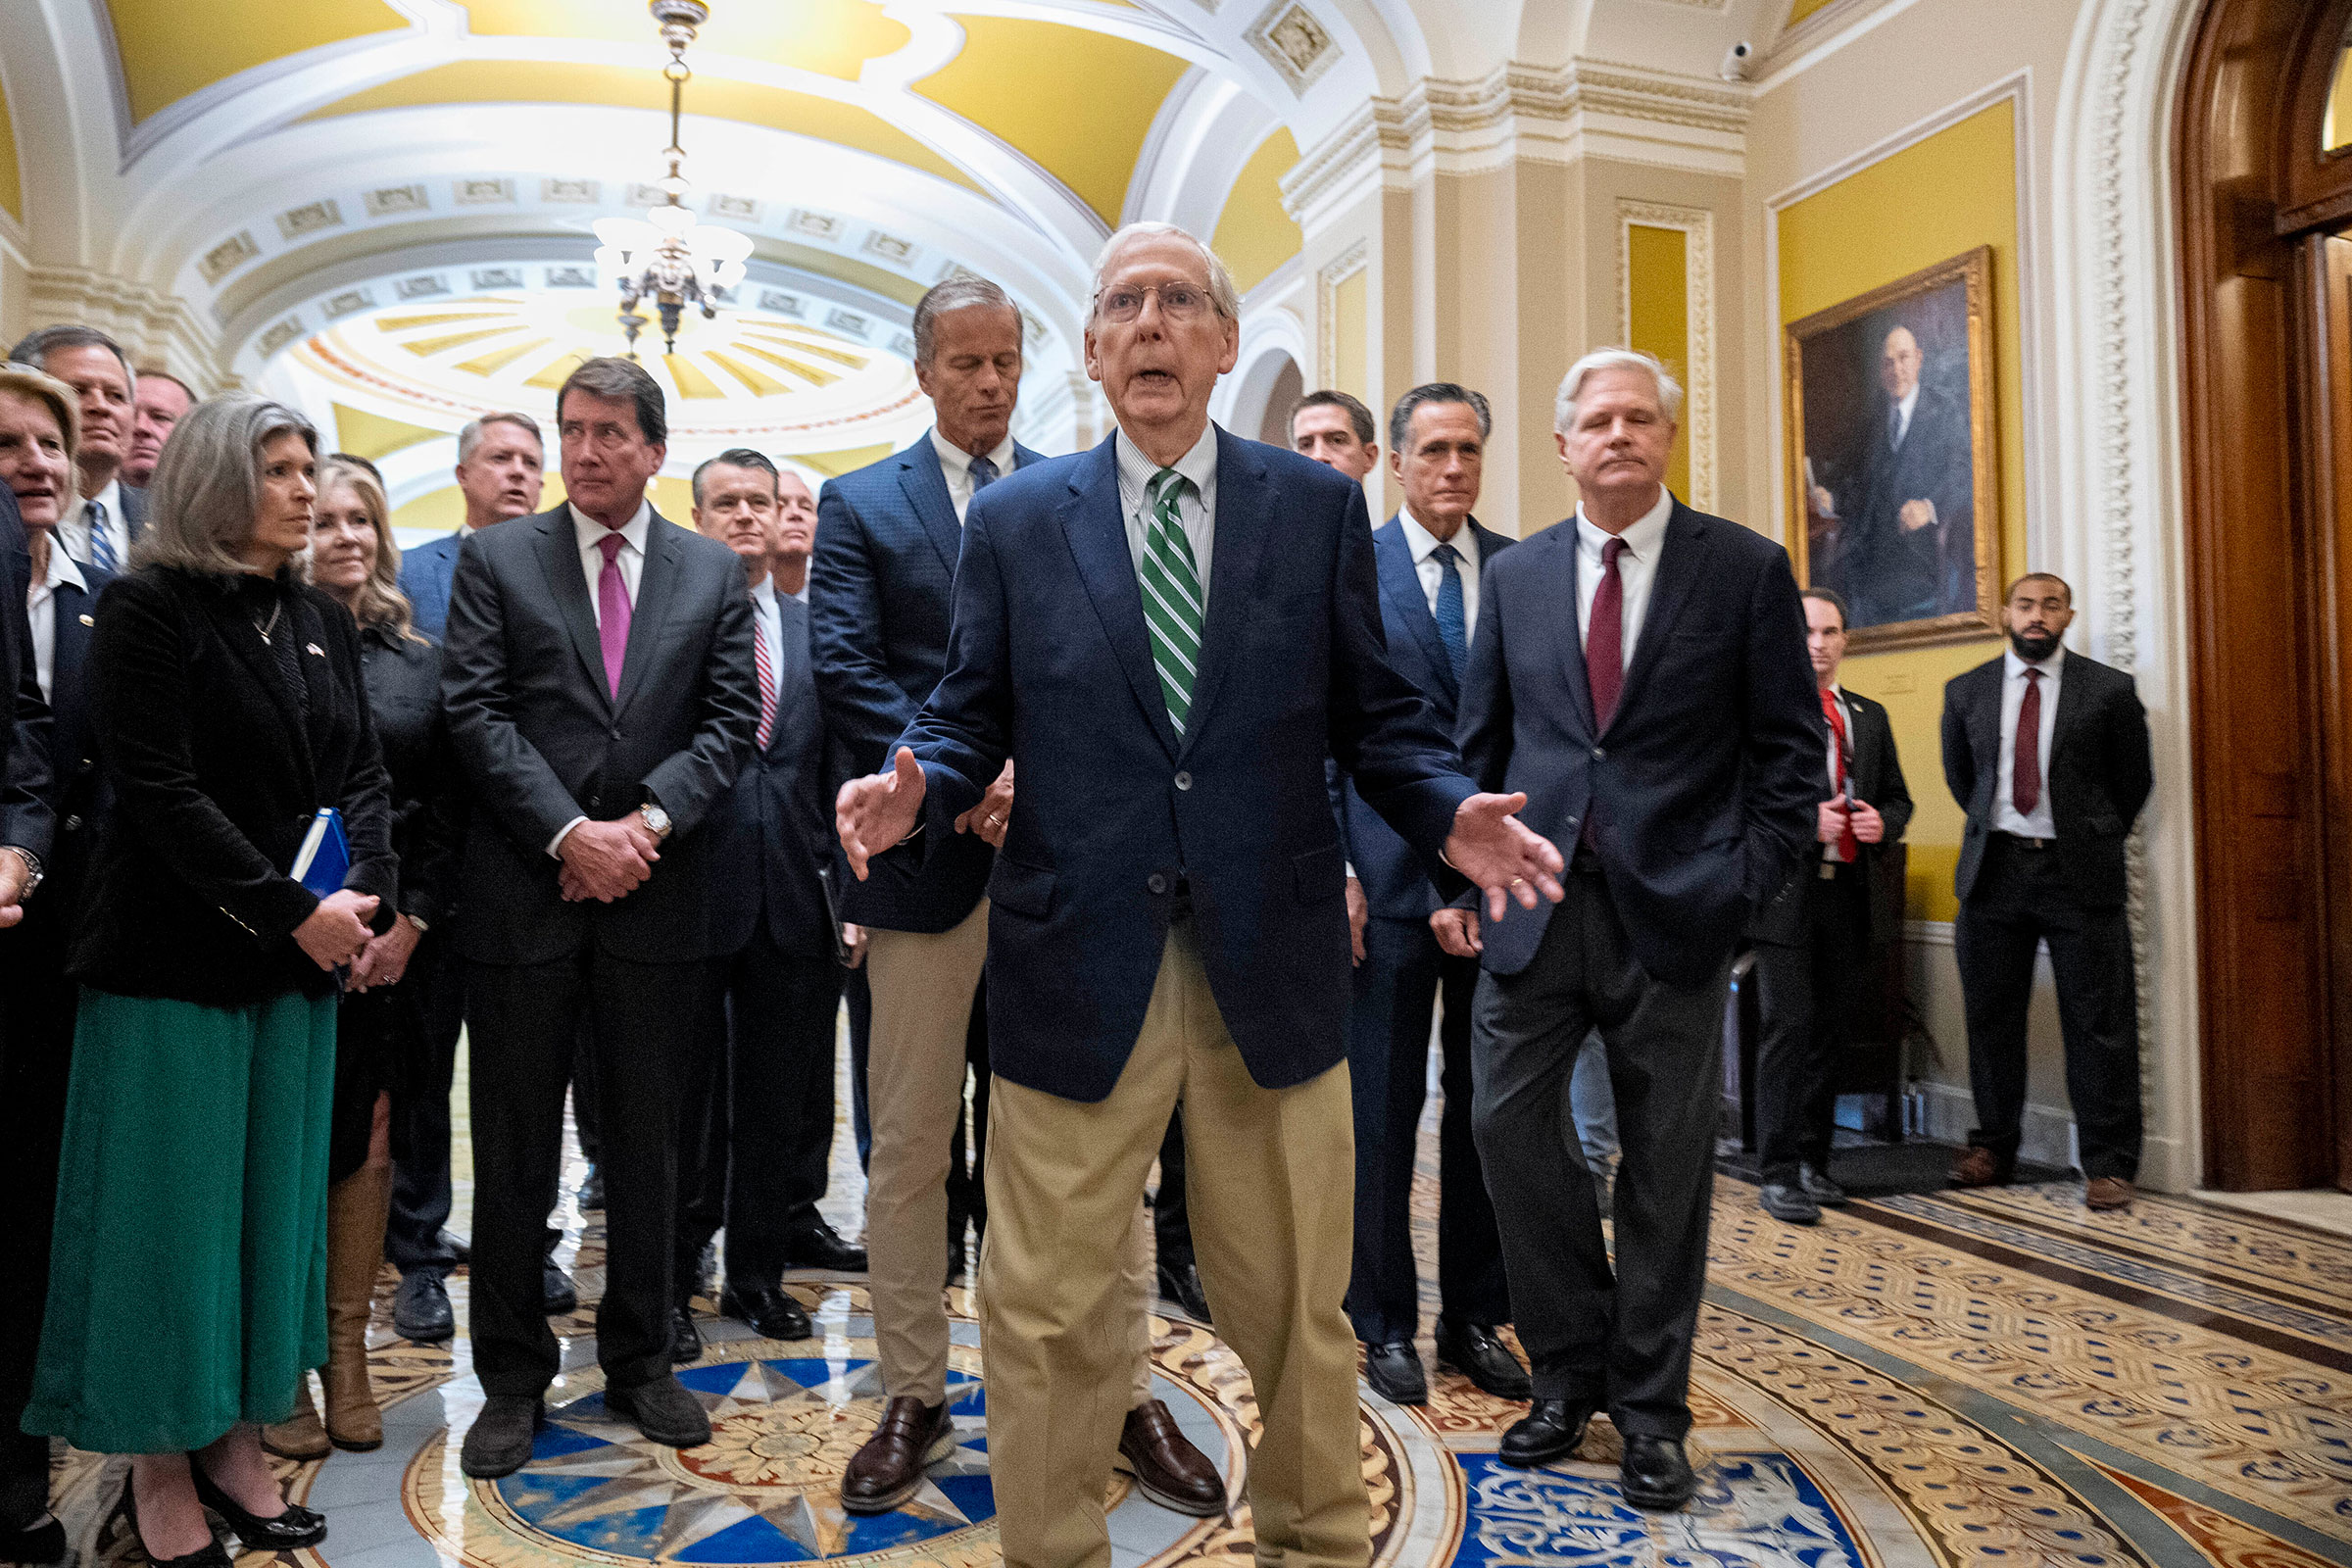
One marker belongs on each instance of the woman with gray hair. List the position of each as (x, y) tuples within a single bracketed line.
[(228, 709)]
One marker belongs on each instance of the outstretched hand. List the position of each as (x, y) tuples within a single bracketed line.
[(1494, 848), (877, 812)]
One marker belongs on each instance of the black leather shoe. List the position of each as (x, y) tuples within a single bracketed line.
[(820, 1247), (685, 1339), (500, 1442), (461, 1251), (559, 1298), (1180, 1285), (1790, 1204), (40, 1541), (420, 1310), (1551, 1429), (1819, 1187), (1394, 1372), (1478, 1353), (773, 1312), (664, 1411), (291, 1529), (1655, 1474), (592, 1192)]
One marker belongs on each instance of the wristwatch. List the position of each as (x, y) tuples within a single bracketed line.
[(32, 869), (657, 821)]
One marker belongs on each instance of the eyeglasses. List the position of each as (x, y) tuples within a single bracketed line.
[(1178, 302)]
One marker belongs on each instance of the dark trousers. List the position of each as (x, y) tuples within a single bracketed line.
[(1804, 991), (1399, 983), (2022, 897), (414, 1237), (1590, 1333), (765, 1115), (1171, 1220), (36, 1059), (651, 1030), (859, 999)]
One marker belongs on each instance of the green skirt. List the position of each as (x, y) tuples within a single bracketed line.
[(189, 1287)]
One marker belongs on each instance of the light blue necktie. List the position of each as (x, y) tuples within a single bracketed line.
[(1453, 630), (983, 473), (102, 548)]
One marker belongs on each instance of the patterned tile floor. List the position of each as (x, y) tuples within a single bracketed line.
[(1991, 1378)]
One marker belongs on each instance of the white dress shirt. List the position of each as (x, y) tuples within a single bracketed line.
[(40, 601), (1903, 411), (2006, 817), (1636, 567), (631, 559), (1196, 512), (73, 528), (1431, 571), (956, 465)]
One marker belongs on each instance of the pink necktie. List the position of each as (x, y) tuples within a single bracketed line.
[(613, 610), (767, 685)]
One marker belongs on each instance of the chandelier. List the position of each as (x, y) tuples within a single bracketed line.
[(667, 257)]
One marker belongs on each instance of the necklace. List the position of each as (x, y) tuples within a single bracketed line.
[(266, 628)]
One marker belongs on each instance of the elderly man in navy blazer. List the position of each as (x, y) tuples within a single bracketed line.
[(1429, 557), (1168, 635), (1639, 672)]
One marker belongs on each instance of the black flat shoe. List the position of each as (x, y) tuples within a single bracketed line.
[(499, 1442), (1788, 1204), (41, 1542), (1819, 1187), (821, 1246), (420, 1310), (1394, 1372), (1656, 1474), (211, 1554), (773, 1312), (685, 1339), (292, 1529), (1180, 1285), (1551, 1429), (559, 1298), (663, 1410), (1477, 1352)]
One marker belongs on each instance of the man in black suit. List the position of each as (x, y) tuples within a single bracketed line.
[(2047, 750), (1676, 743), (1429, 558), (1814, 941), (99, 531), (1904, 539), (601, 699), (755, 1151)]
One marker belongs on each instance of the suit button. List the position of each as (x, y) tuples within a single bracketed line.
[(616, 732), (1599, 756), (596, 803), (1184, 781), (1156, 883), (72, 823)]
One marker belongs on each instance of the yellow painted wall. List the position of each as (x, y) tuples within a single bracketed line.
[(12, 176), (1254, 234), (1657, 288), (373, 435), (170, 48), (1932, 201), (1350, 353), (1803, 8)]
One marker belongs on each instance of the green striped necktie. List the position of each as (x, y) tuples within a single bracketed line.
[(1171, 584)]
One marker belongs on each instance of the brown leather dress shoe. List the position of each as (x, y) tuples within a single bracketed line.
[(2108, 1192), (889, 1469), (1978, 1166), (1166, 1467)]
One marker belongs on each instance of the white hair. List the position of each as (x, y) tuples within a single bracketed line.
[(1221, 291), (1564, 406)]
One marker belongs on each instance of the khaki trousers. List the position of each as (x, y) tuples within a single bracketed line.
[(922, 986), (1270, 1177)]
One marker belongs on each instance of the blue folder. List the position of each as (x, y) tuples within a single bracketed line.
[(325, 859)]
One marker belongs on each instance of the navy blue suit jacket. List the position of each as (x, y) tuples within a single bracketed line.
[(1050, 665), (25, 820), (1396, 884), (1703, 788), (774, 829), (425, 573), (879, 601), (77, 784)]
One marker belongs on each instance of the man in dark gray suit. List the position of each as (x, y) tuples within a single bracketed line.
[(601, 699)]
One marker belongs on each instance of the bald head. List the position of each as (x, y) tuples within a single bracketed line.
[(1898, 363)]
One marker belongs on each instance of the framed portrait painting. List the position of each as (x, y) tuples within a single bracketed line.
[(1890, 457)]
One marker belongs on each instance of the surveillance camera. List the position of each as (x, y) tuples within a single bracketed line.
[(1735, 61)]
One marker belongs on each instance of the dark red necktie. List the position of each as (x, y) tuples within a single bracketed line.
[(1849, 848), (2024, 770), (1604, 639)]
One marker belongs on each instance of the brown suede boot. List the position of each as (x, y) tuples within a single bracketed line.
[(355, 1211), (299, 1436)]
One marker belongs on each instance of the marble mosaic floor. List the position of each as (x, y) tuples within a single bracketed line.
[(1920, 1382)]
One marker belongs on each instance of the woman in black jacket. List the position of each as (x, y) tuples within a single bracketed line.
[(380, 1048), (229, 708)]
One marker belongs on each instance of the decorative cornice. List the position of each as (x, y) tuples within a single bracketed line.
[(1697, 226), (155, 326)]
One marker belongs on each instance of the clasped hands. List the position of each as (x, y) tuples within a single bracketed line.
[(1867, 825), (606, 861)]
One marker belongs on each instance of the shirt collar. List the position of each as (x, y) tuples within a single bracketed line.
[(1421, 542), (588, 530), (1642, 540), (1200, 465), (952, 456), (111, 498), (1908, 402), (2012, 667), (63, 568), (764, 592)]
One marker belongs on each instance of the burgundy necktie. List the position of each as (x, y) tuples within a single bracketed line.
[(767, 683), (1604, 639), (2024, 771), (613, 610)]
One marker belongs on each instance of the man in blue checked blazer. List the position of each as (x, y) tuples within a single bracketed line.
[(500, 473)]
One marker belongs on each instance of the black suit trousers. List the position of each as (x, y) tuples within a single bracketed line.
[(37, 1059), (650, 1031), (422, 1195), (2023, 898), (1805, 991), (764, 1114), (1399, 981), (1625, 1335)]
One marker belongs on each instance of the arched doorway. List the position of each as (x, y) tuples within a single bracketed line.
[(2264, 202)]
